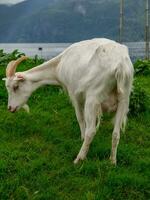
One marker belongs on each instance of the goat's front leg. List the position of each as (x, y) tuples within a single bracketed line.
[(90, 113)]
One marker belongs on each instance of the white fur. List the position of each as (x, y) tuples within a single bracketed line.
[(97, 75)]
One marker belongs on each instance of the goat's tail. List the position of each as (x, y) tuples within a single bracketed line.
[(124, 78)]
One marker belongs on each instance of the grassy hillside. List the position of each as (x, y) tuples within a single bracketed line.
[(37, 152)]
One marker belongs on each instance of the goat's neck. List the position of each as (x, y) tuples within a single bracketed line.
[(44, 74)]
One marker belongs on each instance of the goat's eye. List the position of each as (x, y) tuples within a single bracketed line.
[(16, 87)]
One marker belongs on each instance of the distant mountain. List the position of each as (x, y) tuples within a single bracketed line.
[(69, 20)]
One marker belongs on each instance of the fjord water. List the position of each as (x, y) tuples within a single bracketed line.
[(49, 50)]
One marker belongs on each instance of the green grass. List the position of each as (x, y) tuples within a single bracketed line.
[(37, 152)]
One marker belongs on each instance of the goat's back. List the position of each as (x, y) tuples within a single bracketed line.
[(90, 66)]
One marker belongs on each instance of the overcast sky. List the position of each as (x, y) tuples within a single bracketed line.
[(10, 1)]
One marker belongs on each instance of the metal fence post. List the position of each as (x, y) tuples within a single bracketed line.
[(121, 21), (147, 32)]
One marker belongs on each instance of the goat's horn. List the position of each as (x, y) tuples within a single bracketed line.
[(11, 67)]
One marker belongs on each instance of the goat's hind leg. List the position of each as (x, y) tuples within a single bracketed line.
[(90, 114), (124, 77), (120, 120)]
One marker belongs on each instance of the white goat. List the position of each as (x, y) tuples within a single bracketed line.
[(97, 75)]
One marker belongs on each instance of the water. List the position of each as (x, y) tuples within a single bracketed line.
[(44, 50), (49, 50), (136, 50)]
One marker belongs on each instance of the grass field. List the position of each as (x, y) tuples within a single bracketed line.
[(37, 152)]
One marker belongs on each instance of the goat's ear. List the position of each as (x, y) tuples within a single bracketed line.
[(19, 77), (4, 79)]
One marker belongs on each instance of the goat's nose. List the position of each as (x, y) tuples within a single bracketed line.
[(9, 108)]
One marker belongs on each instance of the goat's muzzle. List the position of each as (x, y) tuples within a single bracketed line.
[(11, 109)]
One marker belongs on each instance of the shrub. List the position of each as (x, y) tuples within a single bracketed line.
[(5, 58), (139, 100), (142, 67)]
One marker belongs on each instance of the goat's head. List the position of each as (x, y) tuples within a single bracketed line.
[(18, 87)]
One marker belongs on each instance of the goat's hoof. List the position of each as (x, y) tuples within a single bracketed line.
[(78, 159), (113, 162)]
